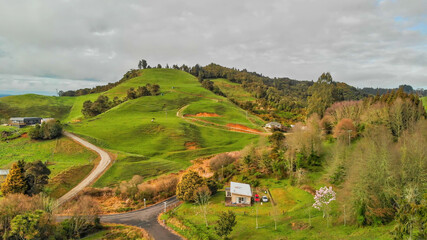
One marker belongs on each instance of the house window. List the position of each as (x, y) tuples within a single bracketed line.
[(228, 194), (241, 200)]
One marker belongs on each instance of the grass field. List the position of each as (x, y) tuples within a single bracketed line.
[(293, 214), (143, 147), (424, 99), (68, 161), (33, 105), (118, 232), (233, 90), (152, 148)]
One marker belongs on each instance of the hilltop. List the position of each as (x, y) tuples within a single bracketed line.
[(178, 134)]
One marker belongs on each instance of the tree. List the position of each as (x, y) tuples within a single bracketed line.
[(201, 198), (345, 129), (159, 65), (225, 224), (31, 225), (15, 180), (277, 139), (47, 130), (189, 183), (324, 196), (37, 176), (143, 64), (321, 95)]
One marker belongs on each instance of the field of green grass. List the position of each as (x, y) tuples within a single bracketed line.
[(144, 147), (233, 90), (60, 154), (33, 105), (68, 161), (117, 232), (293, 214), (424, 99), (152, 148)]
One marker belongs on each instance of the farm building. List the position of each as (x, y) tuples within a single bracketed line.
[(238, 194), (47, 120), (273, 125), (24, 121), (3, 174)]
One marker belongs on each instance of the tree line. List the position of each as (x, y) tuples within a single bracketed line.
[(103, 103)]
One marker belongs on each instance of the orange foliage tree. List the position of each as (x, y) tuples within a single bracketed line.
[(345, 128)]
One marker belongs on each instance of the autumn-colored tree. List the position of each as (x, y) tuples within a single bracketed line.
[(15, 180), (345, 129), (189, 183)]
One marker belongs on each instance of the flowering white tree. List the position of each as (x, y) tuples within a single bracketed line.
[(324, 196)]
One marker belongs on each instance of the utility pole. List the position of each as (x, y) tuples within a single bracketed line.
[(144, 204), (165, 207), (349, 136), (345, 220)]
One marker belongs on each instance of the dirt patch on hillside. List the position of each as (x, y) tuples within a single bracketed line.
[(191, 145), (203, 114), (25, 135), (299, 226), (241, 128), (308, 189)]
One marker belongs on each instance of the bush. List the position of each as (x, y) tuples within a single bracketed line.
[(221, 160), (188, 184), (47, 130)]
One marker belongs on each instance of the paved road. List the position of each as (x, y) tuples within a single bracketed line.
[(145, 218), (100, 168)]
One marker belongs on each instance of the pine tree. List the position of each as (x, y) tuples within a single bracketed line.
[(15, 180)]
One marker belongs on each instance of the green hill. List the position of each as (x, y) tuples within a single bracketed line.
[(35, 105), (169, 143)]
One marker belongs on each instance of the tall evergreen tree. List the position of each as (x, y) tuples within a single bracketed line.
[(15, 180)]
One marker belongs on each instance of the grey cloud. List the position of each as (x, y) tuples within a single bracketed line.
[(358, 41)]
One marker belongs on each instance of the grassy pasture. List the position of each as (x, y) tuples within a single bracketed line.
[(160, 146), (293, 214), (233, 90), (424, 99), (33, 105), (152, 148)]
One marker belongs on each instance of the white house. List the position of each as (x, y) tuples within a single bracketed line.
[(238, 194), (3, 174)]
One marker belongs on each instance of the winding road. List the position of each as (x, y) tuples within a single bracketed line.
[(144, 218), (93, 175)]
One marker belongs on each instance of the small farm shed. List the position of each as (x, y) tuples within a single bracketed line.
[(273, 125), (238, 194), (24, 121)]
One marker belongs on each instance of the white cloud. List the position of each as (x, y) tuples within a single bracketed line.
[(363, 43)]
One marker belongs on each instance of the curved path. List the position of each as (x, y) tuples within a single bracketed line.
[(93, 175), (146, 218)]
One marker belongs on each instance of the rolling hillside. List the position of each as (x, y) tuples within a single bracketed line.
[(190, 122)]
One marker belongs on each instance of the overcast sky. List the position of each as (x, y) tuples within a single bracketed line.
[(54, 44)]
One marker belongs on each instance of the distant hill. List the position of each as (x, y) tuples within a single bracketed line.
[(406, 89)]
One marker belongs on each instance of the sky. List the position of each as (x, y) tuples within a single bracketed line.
[(53, 45)]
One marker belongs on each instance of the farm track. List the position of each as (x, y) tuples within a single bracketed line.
[(93, 175)]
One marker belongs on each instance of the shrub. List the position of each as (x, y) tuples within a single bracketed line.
[(188, 184), (221, 160), (47, 130)]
